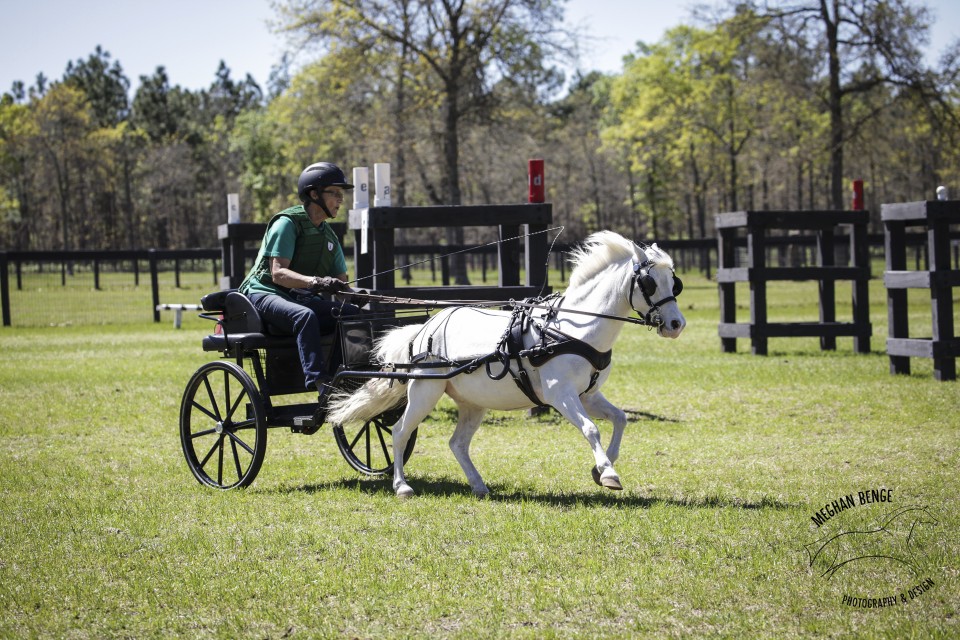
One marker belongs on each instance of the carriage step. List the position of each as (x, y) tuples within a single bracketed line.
[(302, 421), (301, 418)]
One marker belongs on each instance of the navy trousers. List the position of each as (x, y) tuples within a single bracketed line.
[(308, 318)]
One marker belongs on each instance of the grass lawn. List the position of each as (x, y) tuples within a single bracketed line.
[(726, 460)]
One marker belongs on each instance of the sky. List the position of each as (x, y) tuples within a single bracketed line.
[(190, 37)]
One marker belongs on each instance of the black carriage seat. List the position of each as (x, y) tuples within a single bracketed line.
[(243, 328)]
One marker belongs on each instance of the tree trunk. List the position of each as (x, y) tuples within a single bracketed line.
[(451, 153), (831, 25)]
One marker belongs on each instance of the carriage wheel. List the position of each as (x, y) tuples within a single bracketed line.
[(369, 448), (223, 426)]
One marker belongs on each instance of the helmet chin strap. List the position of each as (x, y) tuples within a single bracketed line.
[(319, 202)]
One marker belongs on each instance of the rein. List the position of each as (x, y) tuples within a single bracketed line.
[(651, 319), (504, 303)]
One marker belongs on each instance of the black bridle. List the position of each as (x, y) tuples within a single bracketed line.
[(648, 287)]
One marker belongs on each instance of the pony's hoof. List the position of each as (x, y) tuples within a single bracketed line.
[(608, 479), (482, 494), (596, 476), (405, 491), (611, 483)]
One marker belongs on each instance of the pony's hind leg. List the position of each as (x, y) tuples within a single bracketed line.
[(422, 397), (598, 406), (470, 417)]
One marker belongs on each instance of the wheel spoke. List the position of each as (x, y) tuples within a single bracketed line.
[(236, 459), (213, 400), (200, 434), (383, 445), (237, 440), (204, 410), (244, 425), (367, 439), (236, 404), (357, 439), (203, 462), (220, 464)]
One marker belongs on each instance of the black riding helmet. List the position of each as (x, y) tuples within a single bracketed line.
[(317, 176)]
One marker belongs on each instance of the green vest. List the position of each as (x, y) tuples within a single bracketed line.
[(312, 254)]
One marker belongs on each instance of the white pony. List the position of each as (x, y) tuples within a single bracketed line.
[(612, 277)]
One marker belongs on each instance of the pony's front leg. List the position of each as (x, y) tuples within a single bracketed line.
[(422, 397), (572, 409), (598, 406)]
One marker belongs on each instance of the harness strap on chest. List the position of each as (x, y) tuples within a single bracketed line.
[(552, 343)]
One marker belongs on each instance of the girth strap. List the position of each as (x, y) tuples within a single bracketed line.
[(552, 343)]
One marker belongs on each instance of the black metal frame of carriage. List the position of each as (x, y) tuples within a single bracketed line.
[(229, 404)]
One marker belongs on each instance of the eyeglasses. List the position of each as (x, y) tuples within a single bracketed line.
[(339, 195)]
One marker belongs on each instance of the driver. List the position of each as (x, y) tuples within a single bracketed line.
[(299, 258)]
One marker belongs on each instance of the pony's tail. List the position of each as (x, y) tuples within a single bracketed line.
[(378, 394)]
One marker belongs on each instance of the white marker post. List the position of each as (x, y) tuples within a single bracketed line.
[(361, 202), (233, 208), (942, 193), (361, 190), (381, 175)]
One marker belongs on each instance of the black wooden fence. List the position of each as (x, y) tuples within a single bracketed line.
[(164, 268)]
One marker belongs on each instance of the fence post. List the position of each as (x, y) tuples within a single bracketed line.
[(154, 283), (96, 275), (445, 270), (4, 288)]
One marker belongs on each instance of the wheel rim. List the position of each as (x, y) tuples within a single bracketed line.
[(369, 448), (222, 426)]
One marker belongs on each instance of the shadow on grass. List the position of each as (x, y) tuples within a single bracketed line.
[(591, 497), (634, 415), (548, 416)]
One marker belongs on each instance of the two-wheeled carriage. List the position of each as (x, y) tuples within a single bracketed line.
[(230, 404), (540, 352)]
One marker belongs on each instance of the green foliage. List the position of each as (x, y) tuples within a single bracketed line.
[(739, 111), (104, 84)]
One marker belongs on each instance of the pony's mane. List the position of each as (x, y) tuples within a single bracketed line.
[(603, 248)]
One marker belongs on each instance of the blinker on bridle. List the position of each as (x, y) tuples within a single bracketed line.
[(648, 287)]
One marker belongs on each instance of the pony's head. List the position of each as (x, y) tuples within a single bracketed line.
[(650, 286)]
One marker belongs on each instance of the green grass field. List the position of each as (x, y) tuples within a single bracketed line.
[(727, 457)]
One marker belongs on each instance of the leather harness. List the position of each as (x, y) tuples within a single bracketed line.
[(551, 343)]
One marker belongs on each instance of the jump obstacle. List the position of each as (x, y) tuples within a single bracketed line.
[(944, 345), (758, 273)]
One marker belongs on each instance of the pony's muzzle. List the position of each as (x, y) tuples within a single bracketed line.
[(671, 329)]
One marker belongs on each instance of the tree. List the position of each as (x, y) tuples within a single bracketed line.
[(17, 129), (64, 122), (462, 47), (104, 84), (162, 111), (862, 45)]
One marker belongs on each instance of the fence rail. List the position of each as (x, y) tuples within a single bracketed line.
[(104, 287)]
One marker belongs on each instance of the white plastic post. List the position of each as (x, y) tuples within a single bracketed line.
[(942, 193), (361, 189), (233, 208), (381, 175), (361, 202)]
